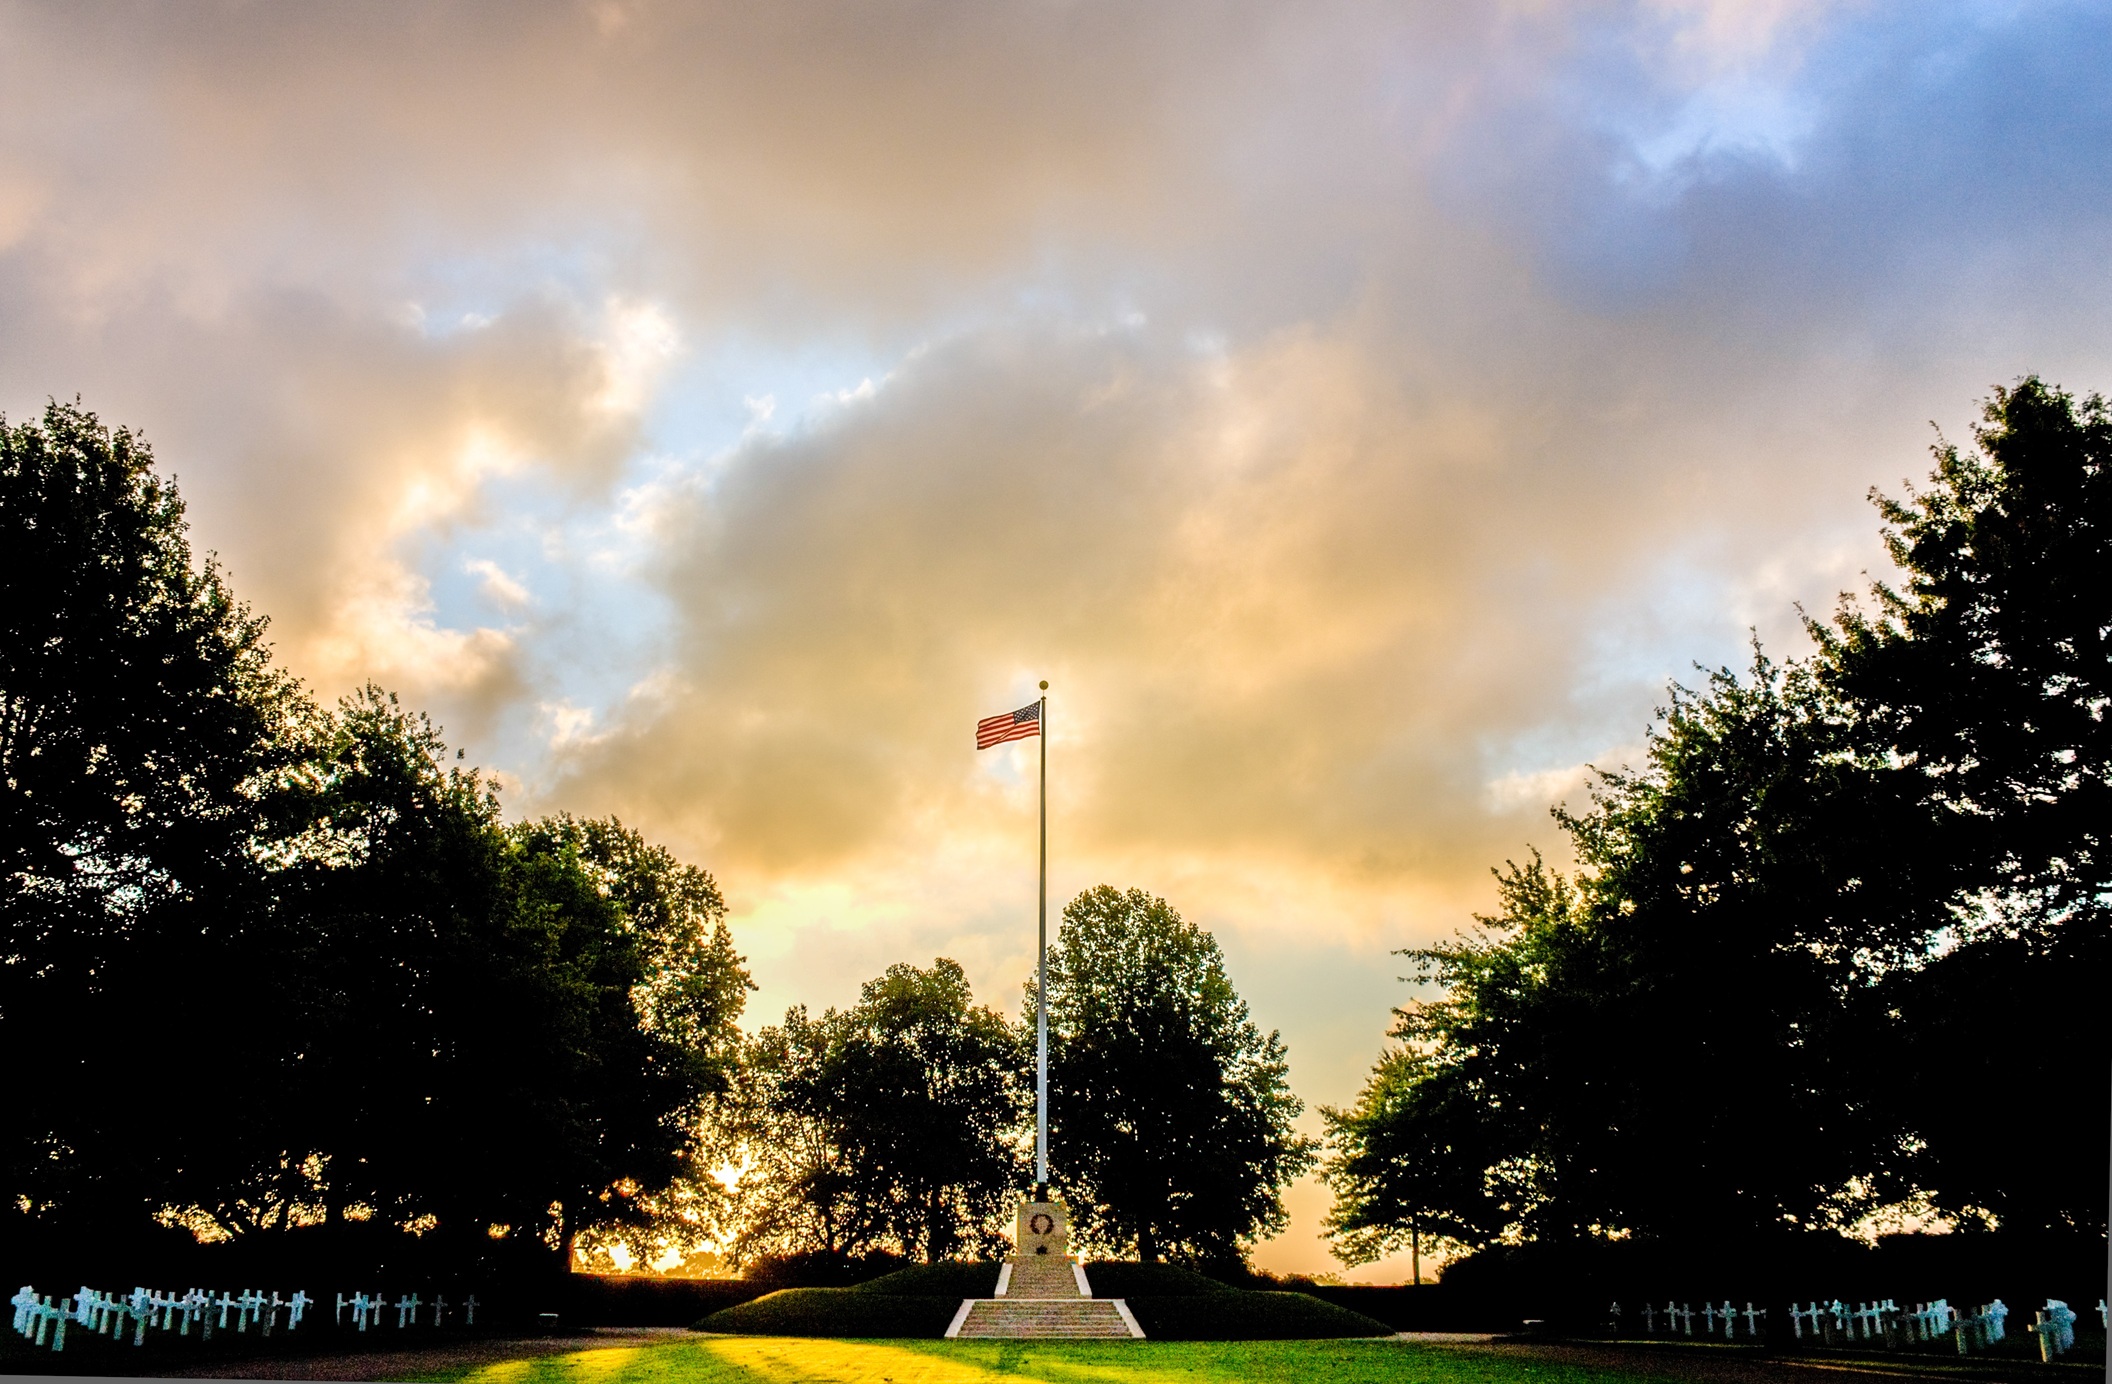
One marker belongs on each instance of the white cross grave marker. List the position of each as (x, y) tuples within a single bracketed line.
[(52, 1312), (24, 1302), (141, 1304), (2055, 1328), (1982, 1329)]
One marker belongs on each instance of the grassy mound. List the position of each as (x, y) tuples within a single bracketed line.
[(957, 1281), (837, 1312), (1171, 1304), (1115, 1278), (1231, 1314)]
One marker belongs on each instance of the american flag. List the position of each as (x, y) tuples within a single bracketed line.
[(1009, 725)]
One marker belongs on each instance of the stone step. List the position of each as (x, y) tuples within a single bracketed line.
[(1042, 1276), (1043, 1319)]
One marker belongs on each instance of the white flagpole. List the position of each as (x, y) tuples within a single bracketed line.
[(1041, 981)]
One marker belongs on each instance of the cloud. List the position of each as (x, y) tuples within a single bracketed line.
[(499, 587)]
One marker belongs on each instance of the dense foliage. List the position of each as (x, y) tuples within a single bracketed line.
[(143, 732), (1846, 905), (1170, 1113), (280, 966), (1984, 688), (892, 1126)]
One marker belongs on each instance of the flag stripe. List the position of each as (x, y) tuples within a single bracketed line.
[(1008, 725)]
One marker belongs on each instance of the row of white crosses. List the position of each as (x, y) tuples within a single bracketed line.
[(43, 1320), (1837, 1322), (1679, 1319), (1885, 1321), (2054, 1324), (366, 1311), (46, 1318)]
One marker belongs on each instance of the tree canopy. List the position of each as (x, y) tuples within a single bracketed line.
[(1983, 687), (285, 966), (1841, 895), (144, 738), (891, 1127), (1170, 1112)]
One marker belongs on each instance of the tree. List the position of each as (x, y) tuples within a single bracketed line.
[(934, 1106), (780, 1128), (509, 1031), (1833, 884), (302, 969), (893, 1126), (1437, 1148), (1982, 688), (143, 737), (689, 999), (1170, 1116), (1614, 1053)]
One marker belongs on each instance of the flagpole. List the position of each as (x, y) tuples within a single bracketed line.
[(1041, 982)]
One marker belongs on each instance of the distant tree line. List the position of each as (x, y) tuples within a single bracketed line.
[(903, 1126), (1840, 944), (269, 967)]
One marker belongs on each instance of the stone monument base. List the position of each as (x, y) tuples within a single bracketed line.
[(1042, 1293)]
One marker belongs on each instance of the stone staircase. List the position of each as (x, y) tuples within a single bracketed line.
[(1045, 1298), (1043, 1276)]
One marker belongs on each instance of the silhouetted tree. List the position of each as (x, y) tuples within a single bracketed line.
[(508, 1028), (144, 736), (1834, 887), (278, 966), (781, 1126), (934, 1111), (1983, 686), (894, 1125), (1170, 1115)]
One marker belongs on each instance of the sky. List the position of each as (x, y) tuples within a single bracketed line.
[(1356, 412)]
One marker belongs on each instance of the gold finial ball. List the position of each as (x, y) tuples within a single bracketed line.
[(1044, 687)]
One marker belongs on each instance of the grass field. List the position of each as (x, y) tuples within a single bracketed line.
[(784, 1360)]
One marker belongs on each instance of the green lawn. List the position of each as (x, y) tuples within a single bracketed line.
[(784, 1360)]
